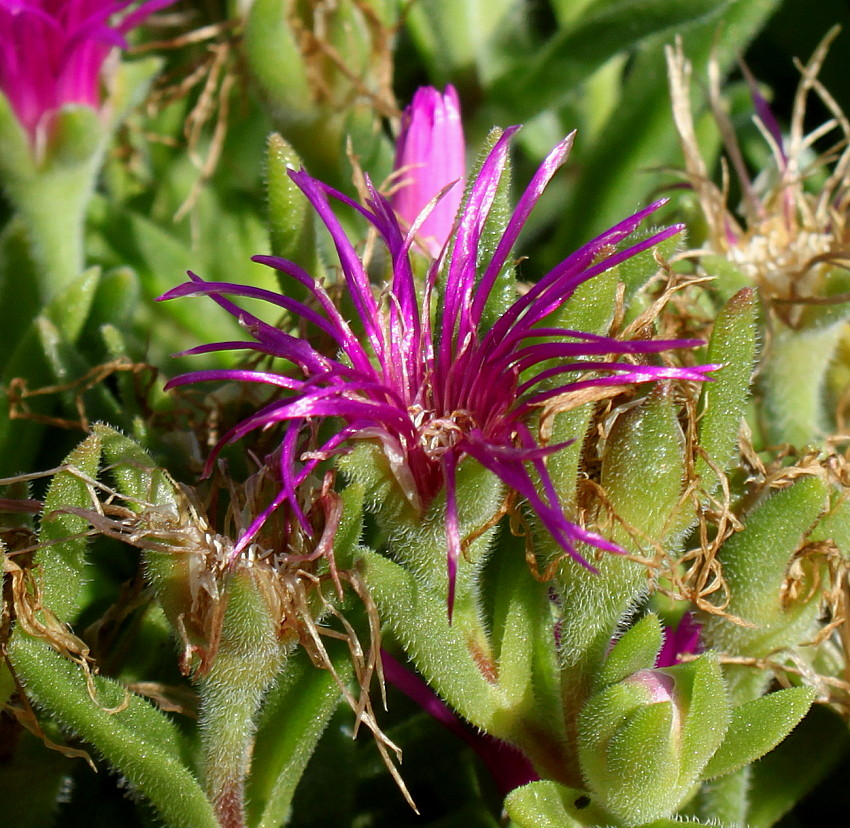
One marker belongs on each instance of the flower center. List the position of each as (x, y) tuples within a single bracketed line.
[(438, 434)]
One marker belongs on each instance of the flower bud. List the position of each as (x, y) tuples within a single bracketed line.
[(430, 156), (644, 741)]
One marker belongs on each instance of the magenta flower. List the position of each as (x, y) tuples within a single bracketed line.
[(52, 52), (430, 156), (434, 394)]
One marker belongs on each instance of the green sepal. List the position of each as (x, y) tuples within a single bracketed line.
[(723, 400), (62, 536), (643, 765), (15, 155), (757, 727), (349, 533), (138, 741), (636, 650), (419, 541), (291, 228), (522, 642), (76, 136), (700, 685), (503, 293), (296, 712), (590, 309), (547, 804)]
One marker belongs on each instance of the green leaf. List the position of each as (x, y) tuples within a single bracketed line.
[(417, 616), (248, 658), (781, 778), (546, 804), (37, 777), (458, 39), (792, 380), (574, 53), (639, 134), (291, 216), (62, 536), (294, 716), (754, 566), (758, 726), (137, 740), (636, 650), (137, 476)]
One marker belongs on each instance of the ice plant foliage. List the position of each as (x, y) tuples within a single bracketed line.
[(430, 156), (52, 52), (424, 380)]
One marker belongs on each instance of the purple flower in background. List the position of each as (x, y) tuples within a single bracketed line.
[(426, 380), (52, 52), (430, 156), (683, 639)]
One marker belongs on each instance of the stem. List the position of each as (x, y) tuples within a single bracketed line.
[(247, 661), (52, 205), (793, 373)]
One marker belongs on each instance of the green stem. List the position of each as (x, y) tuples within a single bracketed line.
[(793, 373), (52, 205), (248, 659)]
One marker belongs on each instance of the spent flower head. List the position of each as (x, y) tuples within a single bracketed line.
[(788, 236), (430, 157), (426, 380), (52, 52)]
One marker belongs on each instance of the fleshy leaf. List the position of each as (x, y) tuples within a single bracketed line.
[(61, 556), (294, 716), (758, 726), (722, 402), (547, 804), (135, 739), (636, 650)]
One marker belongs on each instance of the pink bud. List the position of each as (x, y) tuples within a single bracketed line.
[(659, 685), (430, 155)]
